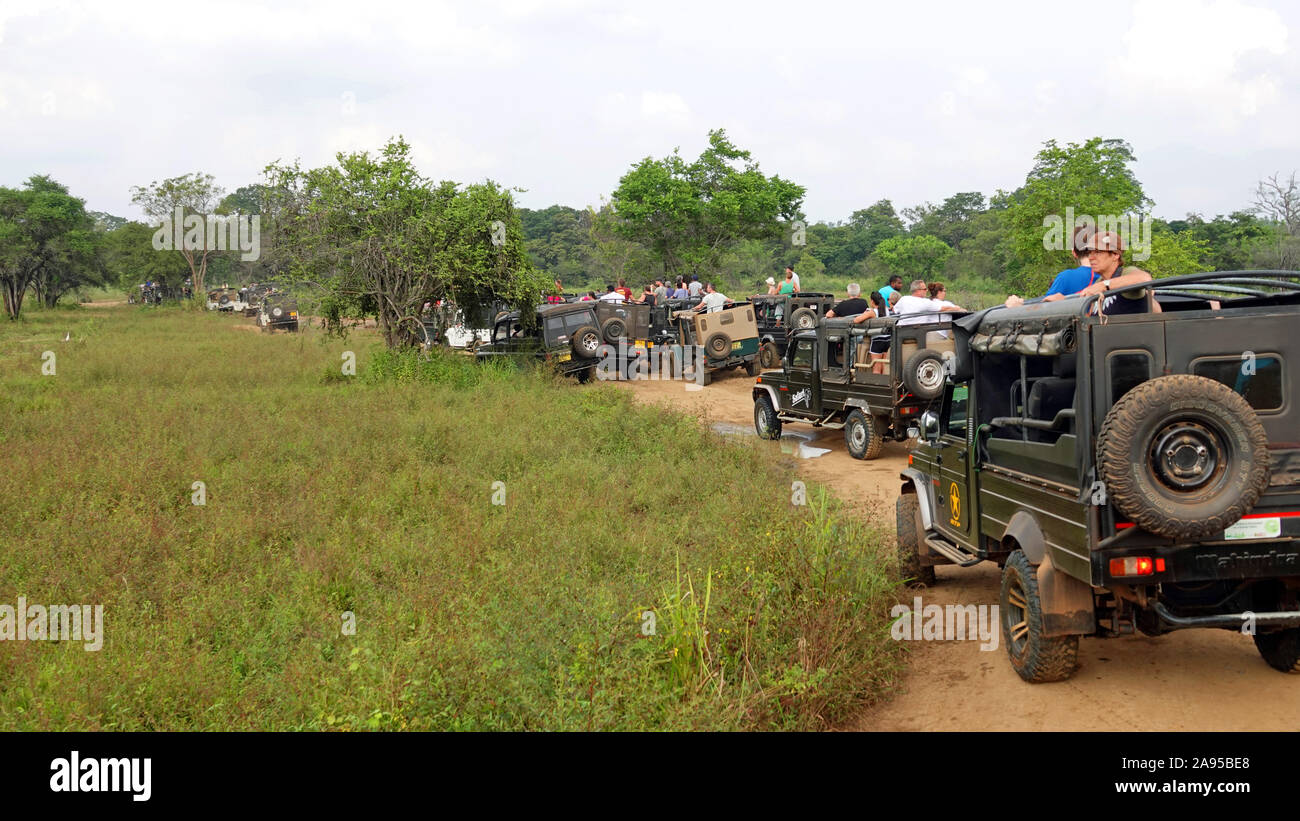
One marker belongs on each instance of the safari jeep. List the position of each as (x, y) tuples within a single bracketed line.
[(728, 338), (663, 328), (827, 380), (566, 334), (779, 315), (1133, 472), (278, 311)]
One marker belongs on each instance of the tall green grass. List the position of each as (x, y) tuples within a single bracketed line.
[(373, 495)]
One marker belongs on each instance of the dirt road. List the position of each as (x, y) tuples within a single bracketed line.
[(1190, 680)]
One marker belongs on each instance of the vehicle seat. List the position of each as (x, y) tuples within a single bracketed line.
[(1049, 395)]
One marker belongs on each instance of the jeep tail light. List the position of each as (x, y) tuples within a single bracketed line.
[(1133, 566)]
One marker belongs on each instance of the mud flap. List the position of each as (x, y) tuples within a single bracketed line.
[(1068, 608)]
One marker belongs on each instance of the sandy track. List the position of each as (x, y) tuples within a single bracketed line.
[(1190, 680)]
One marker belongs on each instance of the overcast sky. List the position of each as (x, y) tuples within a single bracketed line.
[(856, 101)]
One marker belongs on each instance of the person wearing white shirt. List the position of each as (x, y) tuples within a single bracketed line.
[(611, 296), (917, 307), (712, 301)]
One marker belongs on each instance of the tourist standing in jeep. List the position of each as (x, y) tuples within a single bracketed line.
[(1130, 470)]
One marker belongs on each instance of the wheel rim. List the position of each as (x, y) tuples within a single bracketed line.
[(929, 375), (719, 347), (806, 322), (1015, 617), (590, 344), (1185, 455), (858, 435), (760, 420)]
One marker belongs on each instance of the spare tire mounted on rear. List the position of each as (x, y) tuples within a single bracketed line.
[(1183, 456)]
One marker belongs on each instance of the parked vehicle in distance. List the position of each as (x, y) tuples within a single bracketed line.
[(828, 379), (727, 339), (565, 335), (1135, 472), (279, 311), (780, 315)]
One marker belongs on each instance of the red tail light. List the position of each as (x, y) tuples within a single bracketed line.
[(1133, 566)]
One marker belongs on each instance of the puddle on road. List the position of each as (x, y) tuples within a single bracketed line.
[(792, 443)]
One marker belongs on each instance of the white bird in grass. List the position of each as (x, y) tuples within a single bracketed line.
[(67, 336)]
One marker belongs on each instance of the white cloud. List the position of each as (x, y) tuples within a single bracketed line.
[(1187, 56)]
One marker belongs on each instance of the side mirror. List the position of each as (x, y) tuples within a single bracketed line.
[(930, 426)]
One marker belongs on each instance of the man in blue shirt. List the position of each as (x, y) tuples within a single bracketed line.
[(1072, 280), (895, 286)]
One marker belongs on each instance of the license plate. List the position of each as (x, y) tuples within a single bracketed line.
[(564, 357), (735, 346), (639, 343), (1265, 528)]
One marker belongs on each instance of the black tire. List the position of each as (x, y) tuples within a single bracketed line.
[(1183, 456), (708, 375), (718, 345), (862, 435), (1281, 649), (923, 374), (766, 423), (768, 357), (751, 367), (1036, 658), (613, 329), (585, 342), (586, 374), (907, 516), (803, 319)]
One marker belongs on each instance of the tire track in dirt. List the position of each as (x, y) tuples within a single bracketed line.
[(1190, 680)]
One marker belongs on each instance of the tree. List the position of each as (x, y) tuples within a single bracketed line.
[(1174, 253), (691, 214), (47, 243), (951, 221), (195, 195), (129, 258), (379, 238), (919, 257), (1228, 240), (1279, 202), (1092, 179)]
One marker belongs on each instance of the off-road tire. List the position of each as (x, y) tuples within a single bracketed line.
[(752, 367), (907, 515), (708, 376), (613, 329), (803, 319), (718, 345), (586, 374), (586, 342), (768, 358), (862, 435), (1036, 658), (1183, 415), (766, 423), (923, 374), (1281, 649)]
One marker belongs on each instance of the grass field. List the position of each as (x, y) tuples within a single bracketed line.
[(373, 495)]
